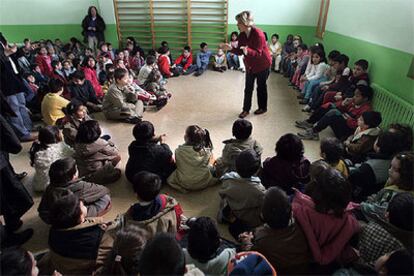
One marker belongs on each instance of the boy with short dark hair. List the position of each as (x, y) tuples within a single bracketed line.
[(63, 174), (242, 130), (150, 64), (280, 239), (82, 90), (184, 61), (153, 212), (332, 152), (202, 61), (242, 194), (342, 116), (53, 103)]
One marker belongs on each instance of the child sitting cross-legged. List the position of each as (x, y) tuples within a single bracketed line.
[(78, 245), (63, 174), (205, 249), (242, 130), (96, 157), (281, 240), (220, 61), (150, 64), (326, 218), (153, 212), (194, 160), (362, 141), (332, 152), (242, 195), (202, 61), (184, 61)]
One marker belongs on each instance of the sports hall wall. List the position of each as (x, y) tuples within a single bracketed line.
[(380, 31)]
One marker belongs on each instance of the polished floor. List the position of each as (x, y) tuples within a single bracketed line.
[(212, 101)]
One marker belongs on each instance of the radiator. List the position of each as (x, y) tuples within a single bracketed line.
[(393, 109)]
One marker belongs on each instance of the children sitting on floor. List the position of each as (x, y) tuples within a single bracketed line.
[(194, 161), (78, 245), (53, 103), (332, 152), (234, 61), (362, 141), (118, 105), (202, 61), (63, 175), (204, 249), (44, 152), (164, 63), (289, 168), (342, 117), (145, 70), (280, 239), (326, 218), (242, 194), (184, 61), (149, 153), (154, 212), (96, 157), (89, 69), (44, 62), (220, 61), (242, 129)]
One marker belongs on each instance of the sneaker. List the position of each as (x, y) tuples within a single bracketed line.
[(304, 101), (260, 111), (17, 239), (133, 120), (303, 124), (300, 96), (308, 135), (306, 108)]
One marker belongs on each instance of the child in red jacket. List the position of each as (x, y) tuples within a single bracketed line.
[(341, 116), (44, 61), (90, 74), (184, 61), (164, 63)]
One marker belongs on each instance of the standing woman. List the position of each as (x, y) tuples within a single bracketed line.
[(252, 44), (93, 28)]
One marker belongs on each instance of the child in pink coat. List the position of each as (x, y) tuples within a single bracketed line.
[(90, 74)]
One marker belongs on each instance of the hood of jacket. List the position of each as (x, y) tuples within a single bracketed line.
[(86, 150)]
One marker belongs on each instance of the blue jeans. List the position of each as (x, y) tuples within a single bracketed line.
[(309, 86), (233, 61), (22, 123)]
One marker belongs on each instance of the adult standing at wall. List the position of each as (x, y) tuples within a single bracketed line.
[(93, 27), (252, 45)]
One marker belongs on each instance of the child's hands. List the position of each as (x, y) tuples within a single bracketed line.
[(246, 237), (347, 101), (244, 49), (324, 88), (225, 46)]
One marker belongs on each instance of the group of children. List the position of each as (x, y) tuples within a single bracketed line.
[(349, 212)]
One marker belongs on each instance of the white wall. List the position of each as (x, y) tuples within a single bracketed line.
[(278, 12), (388, 23), (50, 12)]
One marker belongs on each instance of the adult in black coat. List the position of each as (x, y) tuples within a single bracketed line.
[(14, 198), (149, 153), (93, 27)]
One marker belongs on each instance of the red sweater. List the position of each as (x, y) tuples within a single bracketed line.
[(187, 64), (354, 111), (45, 64), (90, 75), (258, 56), (164, 66)]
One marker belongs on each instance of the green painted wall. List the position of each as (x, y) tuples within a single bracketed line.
[(16, 33), (388, 67)]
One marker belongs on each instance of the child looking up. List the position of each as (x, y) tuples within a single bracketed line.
[(184, 61), (289, 168), (220, 61), (242, 194), (63, 175), (154, 212), (280, 239), (96, 157), (194, 161), (53, 103), (149, 153), (332, 152), (44, 152), (242, 130)]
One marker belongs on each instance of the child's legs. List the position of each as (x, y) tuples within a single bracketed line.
[(99, 207), (309, 88), (230, 60), (139, 108), (329, 97), (191, 69), (241, 62), (277, 62)]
